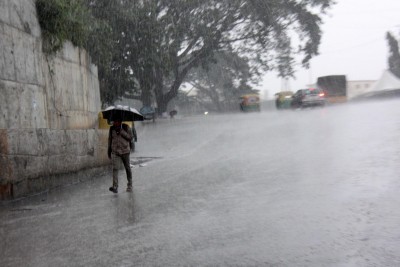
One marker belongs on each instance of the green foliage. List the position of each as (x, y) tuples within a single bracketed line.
[(89, 24), (394, 55), (62, 20), (146, 49), (223, 82), (195, 31), (111, 46)]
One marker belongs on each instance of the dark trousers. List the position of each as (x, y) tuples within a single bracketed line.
[(116, 162)]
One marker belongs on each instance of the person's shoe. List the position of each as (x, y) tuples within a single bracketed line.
[(113, 189), (129, 189)]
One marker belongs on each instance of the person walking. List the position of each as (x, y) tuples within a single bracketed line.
[(119, 139)]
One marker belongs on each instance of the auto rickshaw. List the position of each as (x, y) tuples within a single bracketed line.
[(250, 102), (283, 99)]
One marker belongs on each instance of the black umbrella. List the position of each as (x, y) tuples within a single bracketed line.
[(122, 113)]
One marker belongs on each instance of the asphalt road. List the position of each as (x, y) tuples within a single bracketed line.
[(314, 187)]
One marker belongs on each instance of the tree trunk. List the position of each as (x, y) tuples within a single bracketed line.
[(164, 98), (145, 86), (162, 107), (146, 98)]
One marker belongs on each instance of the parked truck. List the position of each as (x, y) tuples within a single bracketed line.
[(334, 87)]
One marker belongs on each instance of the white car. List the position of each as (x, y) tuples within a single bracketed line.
[(308, 98)]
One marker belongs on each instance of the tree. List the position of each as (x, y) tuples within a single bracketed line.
[(394, 56), (260, 30), (108, 47), (157, 42), (145, 49), (222, 82), (62, 20)]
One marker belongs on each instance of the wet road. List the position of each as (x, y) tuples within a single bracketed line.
[(315, 187)]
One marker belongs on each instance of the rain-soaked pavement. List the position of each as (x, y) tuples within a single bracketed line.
[(316, 187)]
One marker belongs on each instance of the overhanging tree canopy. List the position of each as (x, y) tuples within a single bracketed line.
[(221, 84), (161, 41)]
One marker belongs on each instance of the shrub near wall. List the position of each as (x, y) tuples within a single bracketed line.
[(61, 21)]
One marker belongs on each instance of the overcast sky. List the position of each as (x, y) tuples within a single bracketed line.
[(353, 44)]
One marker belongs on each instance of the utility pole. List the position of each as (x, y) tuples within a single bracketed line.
[(285, 86)]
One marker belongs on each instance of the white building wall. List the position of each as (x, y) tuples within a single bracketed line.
[(356, 88)]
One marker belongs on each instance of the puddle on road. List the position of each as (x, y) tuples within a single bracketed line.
[(141, 161)]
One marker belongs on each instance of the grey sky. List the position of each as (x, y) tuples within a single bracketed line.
[(353, 44)]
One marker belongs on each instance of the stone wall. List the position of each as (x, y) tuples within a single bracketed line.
[(49, 107)]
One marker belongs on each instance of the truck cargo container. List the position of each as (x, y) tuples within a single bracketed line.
[(334, 87)]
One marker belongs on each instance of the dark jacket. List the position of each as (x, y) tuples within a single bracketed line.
[(119, 144)]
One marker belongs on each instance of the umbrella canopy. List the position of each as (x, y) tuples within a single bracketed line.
[(122, 113)]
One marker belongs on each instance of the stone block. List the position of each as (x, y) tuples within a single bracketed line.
[(13, 141), (42, 143), (6, 191), (83, 162), (31, 17), (28, 104), (54, 142), (26, 142), (22, 14), (4, 13), (80, 120), (36, 184), (91, 140), (84, 59), (94, 71), (9, 104), (4, 150), (102, 146), (70, 53), (32, 107), (76, 142), (20, 188), (25, 167), (7, 69), (6, 173), (68, 163), (26, 58), (57, 164)]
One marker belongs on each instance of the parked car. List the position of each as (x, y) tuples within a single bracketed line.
[(148, 112), (308, 98)]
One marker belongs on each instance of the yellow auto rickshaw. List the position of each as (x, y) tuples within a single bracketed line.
[(250, 102), (283, 100)]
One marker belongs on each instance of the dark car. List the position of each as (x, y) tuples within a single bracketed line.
[(308, 98), (148, 112)]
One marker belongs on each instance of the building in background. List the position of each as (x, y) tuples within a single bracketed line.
[(357, 88), (387, 86)]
